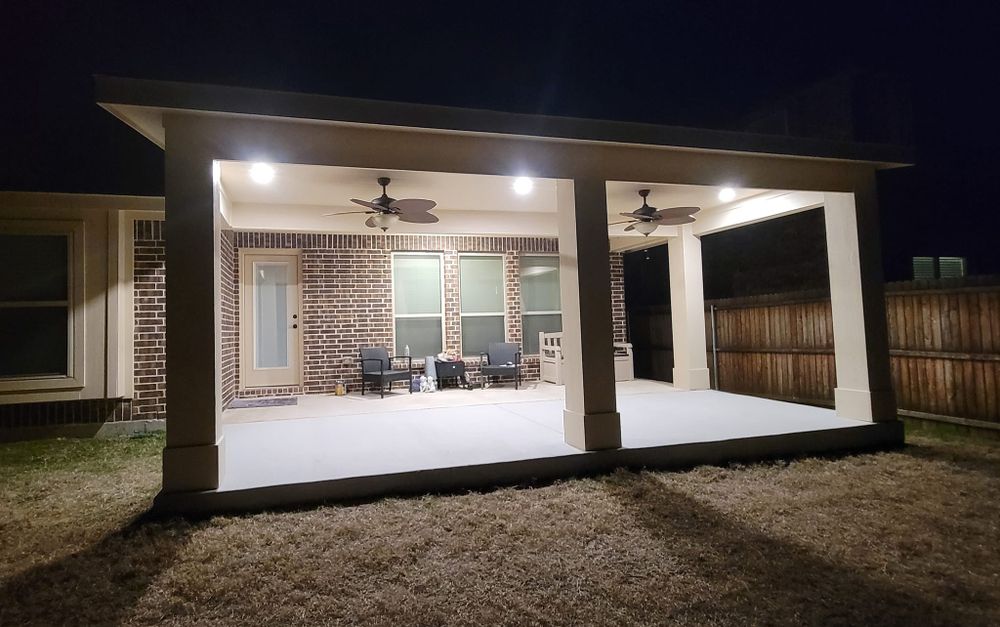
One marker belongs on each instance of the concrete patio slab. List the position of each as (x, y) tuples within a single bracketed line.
[(412, 445)]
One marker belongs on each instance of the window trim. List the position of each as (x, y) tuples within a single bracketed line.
[(74, 378), (525, 312), (488, 314), (392, 294)]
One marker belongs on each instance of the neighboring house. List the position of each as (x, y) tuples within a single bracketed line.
[(243, 285)]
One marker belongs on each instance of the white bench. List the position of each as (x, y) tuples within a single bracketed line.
[(551, 359)]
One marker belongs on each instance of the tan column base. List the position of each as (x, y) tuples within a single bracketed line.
[(193, 468), (854, 404), (694, 379), (592, 432), (865, 405)]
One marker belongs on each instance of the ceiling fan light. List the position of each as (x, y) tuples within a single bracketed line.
[(645, 227), (726, 194), (385, 220)]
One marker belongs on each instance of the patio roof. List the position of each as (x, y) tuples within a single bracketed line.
[(143, 103)]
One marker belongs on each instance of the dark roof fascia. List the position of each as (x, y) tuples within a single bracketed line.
[(241, 100)]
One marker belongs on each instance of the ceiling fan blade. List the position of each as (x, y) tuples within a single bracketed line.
[(620, 222), (370, 205), (641, 216), (630, 227), (345, 213), (676, 221), (418, 217), (413, 204), (676, 212)]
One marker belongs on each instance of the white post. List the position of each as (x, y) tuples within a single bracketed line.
[(193, 457), (590, 420), (687, 311), (861, 355)]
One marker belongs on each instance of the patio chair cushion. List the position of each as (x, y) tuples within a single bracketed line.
[(502, 353), (501, 370), (388, 375), (373, 367)]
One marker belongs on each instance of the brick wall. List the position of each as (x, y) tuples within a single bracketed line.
[(229, 317), (618, 315), (55, 413), (347, 297), (149, 279)]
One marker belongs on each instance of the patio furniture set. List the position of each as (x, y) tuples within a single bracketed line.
[(380, 371)]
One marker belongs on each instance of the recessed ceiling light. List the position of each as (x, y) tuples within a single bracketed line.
[(726, 194), (261, 173), (523, 185)]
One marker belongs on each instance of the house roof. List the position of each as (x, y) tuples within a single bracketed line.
[(142, 104)]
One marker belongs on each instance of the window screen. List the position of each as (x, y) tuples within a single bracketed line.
[(416, 285), (34, 305), (540, 305), (482, 298)]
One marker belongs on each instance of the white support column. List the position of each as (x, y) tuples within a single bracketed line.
[(687, 311), (193, 458), (590, 420), (861, 352)]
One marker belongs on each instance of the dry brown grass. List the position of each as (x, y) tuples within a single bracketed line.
[(906, 537)]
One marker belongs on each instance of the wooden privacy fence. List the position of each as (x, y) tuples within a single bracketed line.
[(779, 346), (944, 340)]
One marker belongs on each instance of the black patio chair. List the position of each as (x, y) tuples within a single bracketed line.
[(376, 367), (501, 359)]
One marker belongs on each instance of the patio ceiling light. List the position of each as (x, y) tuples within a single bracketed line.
[(261, 173), (523, 185), (726, 194)]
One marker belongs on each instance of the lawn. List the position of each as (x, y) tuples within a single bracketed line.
[(904, 537)]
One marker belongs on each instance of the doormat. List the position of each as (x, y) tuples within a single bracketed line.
[(244, 403)]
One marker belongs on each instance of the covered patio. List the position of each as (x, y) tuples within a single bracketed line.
[(347, 447), (586, 173)]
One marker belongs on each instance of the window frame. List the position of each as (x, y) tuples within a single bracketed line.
[(392, 293), (462, 315), (525, 312), (75, 232)]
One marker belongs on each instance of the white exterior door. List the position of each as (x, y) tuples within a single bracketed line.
[(271, 325)]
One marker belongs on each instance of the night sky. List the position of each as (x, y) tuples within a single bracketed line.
[(694, 64)]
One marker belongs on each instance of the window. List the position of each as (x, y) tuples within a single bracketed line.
[(36, 304), (951, 267), (923, 268), (482, 301), (540, 307), (938, 267), (417, 304)]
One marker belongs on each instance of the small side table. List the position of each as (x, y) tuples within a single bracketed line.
[(450, 370)]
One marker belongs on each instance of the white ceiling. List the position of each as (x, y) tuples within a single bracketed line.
[(333, 187), (330, 188)]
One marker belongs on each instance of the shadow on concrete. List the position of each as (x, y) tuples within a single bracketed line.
[(755, 578), (100, 585)]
